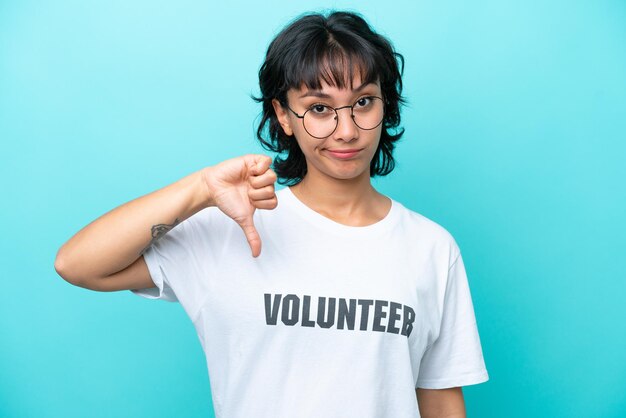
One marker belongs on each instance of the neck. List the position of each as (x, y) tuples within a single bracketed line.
[(351, 202)]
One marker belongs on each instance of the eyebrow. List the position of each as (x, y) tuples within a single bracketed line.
[(320, 94)]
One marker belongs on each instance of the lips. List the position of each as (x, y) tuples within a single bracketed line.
[(343, 154)]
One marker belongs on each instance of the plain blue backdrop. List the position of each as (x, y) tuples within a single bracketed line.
[(515, 143)]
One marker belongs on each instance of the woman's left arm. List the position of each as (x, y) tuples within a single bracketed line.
[(441, 403)]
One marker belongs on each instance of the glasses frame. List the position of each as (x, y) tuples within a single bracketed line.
[(335, 109)]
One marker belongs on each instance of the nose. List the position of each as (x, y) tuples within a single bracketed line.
[(346, 128)]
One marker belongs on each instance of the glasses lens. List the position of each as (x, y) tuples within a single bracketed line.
[(368, 112), (320, 121)]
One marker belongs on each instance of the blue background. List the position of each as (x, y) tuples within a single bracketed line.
[(515, 142)]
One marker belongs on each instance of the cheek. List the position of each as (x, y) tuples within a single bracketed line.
[(299, 133), (305, 146), (306, 143)]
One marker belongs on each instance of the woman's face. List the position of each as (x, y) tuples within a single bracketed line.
[(345, 154)]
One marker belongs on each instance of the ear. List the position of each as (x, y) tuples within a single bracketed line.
[(283, 117)]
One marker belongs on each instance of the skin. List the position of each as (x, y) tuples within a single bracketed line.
[(441, 403)]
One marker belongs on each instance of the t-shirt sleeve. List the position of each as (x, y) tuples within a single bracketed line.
[(455, 358), (177, 263)]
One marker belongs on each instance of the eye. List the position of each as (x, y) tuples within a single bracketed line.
[(363, 101), (319, 109)]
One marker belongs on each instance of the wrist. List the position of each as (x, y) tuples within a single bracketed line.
[(206, 192)]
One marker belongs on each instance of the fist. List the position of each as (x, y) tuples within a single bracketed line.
[(238, 187)]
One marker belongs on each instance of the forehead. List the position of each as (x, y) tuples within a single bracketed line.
[(327, 90), (330, 65)]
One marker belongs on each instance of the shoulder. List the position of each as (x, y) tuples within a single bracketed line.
[(416, 221), (429, 232)]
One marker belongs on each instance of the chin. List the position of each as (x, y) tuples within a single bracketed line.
[(340, 170), (347, 174)]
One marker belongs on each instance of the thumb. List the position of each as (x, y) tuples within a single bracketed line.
[(254, 240)]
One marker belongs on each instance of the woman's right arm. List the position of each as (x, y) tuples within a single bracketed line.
[(107, 254)]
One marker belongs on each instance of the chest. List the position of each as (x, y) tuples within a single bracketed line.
[(335, 287)]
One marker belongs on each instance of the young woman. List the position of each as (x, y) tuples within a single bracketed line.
[(355, 304)]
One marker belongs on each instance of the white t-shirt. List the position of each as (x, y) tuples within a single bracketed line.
[(330, 320)]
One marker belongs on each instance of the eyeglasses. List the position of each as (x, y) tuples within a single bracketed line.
[(320, 121)]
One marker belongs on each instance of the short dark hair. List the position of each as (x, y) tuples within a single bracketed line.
[(315, 48)]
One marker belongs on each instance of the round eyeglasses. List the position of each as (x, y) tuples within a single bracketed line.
[(320, 121)]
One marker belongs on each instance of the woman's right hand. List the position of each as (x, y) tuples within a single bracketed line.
[(238, 187)]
